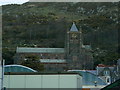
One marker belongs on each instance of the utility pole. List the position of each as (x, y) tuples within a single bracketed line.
[(1, 73)]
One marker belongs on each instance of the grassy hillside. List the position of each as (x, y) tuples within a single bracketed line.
[(45, 25)]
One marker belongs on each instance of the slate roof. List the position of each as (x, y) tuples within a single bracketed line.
[(39, 50), (74, 28)]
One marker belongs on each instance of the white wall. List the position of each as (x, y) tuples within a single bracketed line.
[(43, 81), (79, 81)]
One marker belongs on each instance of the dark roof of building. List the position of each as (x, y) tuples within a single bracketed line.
[(74, 28), (42, 73)]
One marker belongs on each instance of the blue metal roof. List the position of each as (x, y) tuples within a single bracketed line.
[(89, 78), (92, 71), (17, 68), (74, 28)]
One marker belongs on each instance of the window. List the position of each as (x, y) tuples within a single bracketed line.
[(107, 73)]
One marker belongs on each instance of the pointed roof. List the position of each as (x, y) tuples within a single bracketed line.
[(74, 28)]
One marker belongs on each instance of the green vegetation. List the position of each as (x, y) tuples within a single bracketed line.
[(45, 25), (32, 61), (8, 55), (115, 85)]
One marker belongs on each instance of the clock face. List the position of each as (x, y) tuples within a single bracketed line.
[(74, 35)]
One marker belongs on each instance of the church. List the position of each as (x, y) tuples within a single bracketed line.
[(74, 55)]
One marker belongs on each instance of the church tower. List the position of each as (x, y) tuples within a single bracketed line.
[(73, 48)]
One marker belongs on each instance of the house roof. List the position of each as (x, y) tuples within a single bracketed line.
[(74, 28), (39, 50)]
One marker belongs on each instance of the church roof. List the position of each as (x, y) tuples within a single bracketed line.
[(74, 28), (39, 50)]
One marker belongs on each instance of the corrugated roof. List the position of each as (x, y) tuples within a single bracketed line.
[(39, 50), (74, 28)]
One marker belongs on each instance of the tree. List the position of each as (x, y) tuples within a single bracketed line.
[(33, 62), (8, 56)]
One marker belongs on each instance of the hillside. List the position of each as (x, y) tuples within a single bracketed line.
[(45, 25)]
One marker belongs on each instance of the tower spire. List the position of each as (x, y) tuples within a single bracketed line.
[(74, 28)]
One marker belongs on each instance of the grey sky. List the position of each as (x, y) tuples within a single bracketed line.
[(74, 0), (4, 2)]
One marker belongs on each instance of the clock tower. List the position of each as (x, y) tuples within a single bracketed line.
[(74, 47)]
